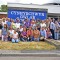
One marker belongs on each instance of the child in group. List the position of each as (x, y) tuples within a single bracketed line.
[(56, 31)]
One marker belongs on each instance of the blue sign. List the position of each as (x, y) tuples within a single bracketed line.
[(22, 14)]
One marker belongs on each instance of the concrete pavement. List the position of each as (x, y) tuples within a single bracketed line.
[(29, 58), (29, 55), (52, 53)]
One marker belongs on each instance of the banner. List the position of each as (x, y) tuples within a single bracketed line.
[(22, 14)]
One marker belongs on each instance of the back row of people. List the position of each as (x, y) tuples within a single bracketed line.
[(15, 31)]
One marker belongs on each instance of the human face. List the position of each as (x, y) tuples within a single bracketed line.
[(42, 28), (24, 29)]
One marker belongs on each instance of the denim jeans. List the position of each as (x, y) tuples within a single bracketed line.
[(56, 35), (4, 38), (15, 40)]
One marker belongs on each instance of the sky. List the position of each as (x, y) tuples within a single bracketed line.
[(26, 1)]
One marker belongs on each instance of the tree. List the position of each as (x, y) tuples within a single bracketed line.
[(4, 8)]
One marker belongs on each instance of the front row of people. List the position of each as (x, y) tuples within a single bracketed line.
[(23, 34)]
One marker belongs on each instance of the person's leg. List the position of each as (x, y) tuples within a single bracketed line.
[(25, 38), (38, 39), (52, 31), (28, 38), (22, 39), (13, 41), (17, 41), (0, 34), (53, 34), (6, 38), (42, 38), (35, 39), (57, 34), (32, 38), (2, 37)]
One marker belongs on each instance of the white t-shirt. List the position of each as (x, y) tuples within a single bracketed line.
[(43, 25), (3, 23), (17, 25), (21, 29), (11, 31), (15, 35)]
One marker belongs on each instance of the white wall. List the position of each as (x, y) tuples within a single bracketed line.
[(51, 8)]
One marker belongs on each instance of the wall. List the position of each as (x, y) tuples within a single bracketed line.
[(3, 15)]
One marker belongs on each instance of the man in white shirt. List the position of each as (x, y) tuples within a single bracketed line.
[(52, 27)]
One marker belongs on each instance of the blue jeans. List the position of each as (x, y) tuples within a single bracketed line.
[(15, 40), (36, 39), (56, 35), (31, 38)]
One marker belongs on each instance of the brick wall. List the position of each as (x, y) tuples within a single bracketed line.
[(3, 15)]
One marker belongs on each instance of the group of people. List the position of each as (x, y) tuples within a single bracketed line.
[(28, 30)]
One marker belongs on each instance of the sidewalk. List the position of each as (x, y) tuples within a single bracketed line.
[(53, 53)]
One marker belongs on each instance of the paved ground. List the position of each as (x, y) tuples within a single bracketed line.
[(29, 55), (28, 51), (53, 53), (29, 58)]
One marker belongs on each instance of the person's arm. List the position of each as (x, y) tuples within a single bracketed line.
[(21, 34), (32, 33), (17, 36), (45, 34)]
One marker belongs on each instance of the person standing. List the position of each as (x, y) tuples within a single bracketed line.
[(56, 31), (4, 33), (0, 29), (52, 27)]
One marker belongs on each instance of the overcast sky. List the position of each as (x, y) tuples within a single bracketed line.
[(28, 1)]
